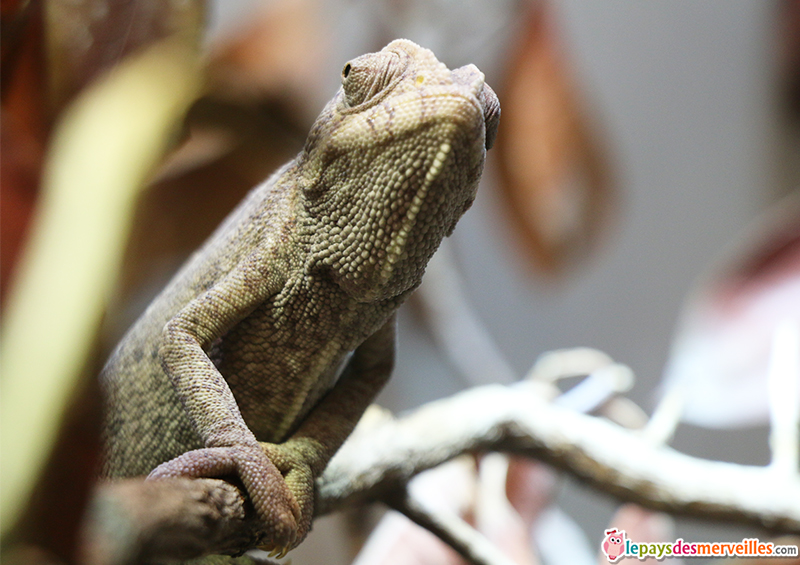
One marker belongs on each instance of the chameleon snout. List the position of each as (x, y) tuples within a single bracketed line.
[(471, 77)]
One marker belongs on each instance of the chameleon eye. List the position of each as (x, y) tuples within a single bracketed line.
[(365, 78)]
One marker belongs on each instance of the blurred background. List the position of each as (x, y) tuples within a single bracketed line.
[(622, 207)]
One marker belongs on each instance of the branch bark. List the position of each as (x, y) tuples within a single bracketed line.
[(451, 529), (515, 419), (190, 517)]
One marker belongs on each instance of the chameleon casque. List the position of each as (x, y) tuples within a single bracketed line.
[(259, 357)]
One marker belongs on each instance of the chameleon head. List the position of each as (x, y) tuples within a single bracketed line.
[(394, 161)]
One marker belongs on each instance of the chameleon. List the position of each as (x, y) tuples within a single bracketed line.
[(258, 358)]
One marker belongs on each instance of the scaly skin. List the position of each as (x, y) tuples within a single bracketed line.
[(261, 354)]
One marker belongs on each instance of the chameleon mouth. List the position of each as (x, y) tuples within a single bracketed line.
[(491, 114), (473, 79)]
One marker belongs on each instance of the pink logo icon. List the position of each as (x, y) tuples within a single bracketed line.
[(614, 544)]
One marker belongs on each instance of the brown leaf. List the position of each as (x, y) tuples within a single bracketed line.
[(86, 37), (253, 119), (128, 120), (82, 38), (788, 24), (23, 129), (278, 54), (554, 174)]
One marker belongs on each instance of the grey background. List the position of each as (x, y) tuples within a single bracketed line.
[(684, 90)]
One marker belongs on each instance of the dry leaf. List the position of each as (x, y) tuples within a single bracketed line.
[(253, 118), (554, 174), (277, 55), (103, 150), (23, 129), (86, 37)]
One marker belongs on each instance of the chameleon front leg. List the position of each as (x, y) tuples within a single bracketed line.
[(305, 454), (230, 446)]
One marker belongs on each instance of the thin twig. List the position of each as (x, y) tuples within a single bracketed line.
[(451, 529), (456, 326)]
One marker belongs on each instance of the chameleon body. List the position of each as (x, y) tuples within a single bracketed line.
[(261, 354)]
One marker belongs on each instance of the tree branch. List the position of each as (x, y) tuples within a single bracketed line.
[(137, 521), (516, 420), (451, 529), (195, 516)]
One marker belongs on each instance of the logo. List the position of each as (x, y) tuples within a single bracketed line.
[(617, 545), (614, 544)]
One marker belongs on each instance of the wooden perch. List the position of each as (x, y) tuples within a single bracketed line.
[(516, 420), (180, 518), (451, 529)]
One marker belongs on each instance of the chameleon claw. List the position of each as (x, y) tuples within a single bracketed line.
[(268, 547), (275, 552)]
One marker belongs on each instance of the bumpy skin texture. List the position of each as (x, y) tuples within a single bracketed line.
[(260, 356)]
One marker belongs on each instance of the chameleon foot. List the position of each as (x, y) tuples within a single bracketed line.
[(298, 477), (272, 499)]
